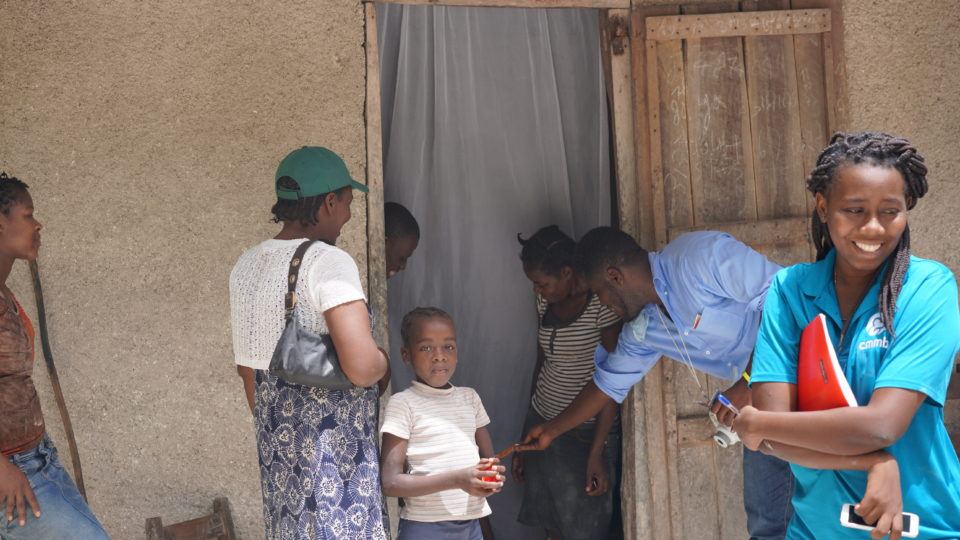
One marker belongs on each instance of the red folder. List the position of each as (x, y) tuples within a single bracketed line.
[(821, 384)]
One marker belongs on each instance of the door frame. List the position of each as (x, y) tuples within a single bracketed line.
[(646, 493)]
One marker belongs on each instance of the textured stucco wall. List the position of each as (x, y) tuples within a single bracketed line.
[(903, 72), (149, 132)]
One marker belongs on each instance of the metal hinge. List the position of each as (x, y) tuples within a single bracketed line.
[(619, 34)]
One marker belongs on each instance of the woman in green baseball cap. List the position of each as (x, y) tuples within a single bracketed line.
[(317, 447)]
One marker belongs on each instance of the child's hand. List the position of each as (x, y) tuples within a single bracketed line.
[(882, 504), (471, 478)]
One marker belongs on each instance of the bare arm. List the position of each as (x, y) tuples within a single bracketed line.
[(846, 431), (587, 404), (397, 483), (362, 362), (484, 442), (608, 415), (249, 383)]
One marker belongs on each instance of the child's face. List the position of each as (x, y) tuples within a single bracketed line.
[(866, 213), (432, 352)]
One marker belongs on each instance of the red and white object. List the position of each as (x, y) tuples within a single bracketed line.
[(821, 383)]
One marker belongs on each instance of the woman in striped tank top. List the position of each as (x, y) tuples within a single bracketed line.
[(567, 487)]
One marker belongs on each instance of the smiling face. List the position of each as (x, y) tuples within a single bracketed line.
[(432, 351), (20, 230), (865, 210)]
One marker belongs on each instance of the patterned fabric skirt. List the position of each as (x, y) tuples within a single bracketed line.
[(319, 462)]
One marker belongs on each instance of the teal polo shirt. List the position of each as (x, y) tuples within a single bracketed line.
[(920, 358)]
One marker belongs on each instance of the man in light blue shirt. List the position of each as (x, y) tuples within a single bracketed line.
[(698, 301)]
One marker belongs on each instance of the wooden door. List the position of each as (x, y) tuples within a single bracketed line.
[(737, 104)]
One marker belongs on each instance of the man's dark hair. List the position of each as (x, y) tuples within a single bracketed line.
[(549, 250), (415, 317), (303, 210), (604, 247), (881, 150), (12, 191), (398, 222)]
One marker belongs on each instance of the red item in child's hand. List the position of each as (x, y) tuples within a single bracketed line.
[(489, 478)]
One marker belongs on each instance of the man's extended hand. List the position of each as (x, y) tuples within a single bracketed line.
[(538, 438)]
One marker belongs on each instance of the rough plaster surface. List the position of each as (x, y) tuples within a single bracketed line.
[(903, 71), (149, 132)]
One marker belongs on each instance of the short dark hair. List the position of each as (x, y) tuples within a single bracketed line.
[(417, 315), (12, 191), (604, 247), (399, 222), (549, 250), (304, 209)]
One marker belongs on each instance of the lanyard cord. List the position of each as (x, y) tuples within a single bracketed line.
[(684, 355)]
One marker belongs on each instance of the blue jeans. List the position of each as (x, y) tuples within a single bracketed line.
[(63, 513), (767, 490)]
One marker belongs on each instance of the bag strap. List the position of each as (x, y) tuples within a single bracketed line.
[(290, 300)]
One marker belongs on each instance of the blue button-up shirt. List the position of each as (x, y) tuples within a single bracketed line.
[(713, 287)]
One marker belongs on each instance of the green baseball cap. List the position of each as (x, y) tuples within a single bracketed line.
[(317, 170)]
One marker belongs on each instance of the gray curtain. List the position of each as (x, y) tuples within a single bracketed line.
[(494, 123)]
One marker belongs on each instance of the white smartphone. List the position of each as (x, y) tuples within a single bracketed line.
[(849, 518)]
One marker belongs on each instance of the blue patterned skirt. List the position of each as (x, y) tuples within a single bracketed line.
[(319, 461)]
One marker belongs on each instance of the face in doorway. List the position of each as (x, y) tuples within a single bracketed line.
[(553, 288), (398, 250), (20, 230), (865, 210), (432, 351)]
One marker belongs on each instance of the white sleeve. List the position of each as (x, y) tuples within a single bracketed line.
[(479, 412), (397, 418), (333, 280)]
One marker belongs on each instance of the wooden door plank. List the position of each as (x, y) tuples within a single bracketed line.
[(675, 152), (811, 90), (656, 144), (645, 456), (620, 92), (775, 120), (721, 162), (784, 241), (732, 24)]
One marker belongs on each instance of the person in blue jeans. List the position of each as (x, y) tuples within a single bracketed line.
[(38, 499), (895, 326), (697, 300)]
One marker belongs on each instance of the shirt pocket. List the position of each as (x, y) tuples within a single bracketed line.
[(719, 327)]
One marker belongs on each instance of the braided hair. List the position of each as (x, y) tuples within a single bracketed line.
[(548, 250), (12, 191), (881, 150)]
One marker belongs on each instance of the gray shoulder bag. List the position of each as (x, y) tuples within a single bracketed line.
[(301, 356)]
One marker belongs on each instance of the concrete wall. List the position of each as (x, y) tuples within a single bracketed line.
[(903, 71), (149, 133)]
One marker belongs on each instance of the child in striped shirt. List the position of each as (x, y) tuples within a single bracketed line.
[(434, 435)]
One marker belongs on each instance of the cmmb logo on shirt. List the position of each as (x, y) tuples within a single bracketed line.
[(874, 329)]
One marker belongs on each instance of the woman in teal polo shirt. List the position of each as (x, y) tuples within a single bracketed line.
[(894, 322)]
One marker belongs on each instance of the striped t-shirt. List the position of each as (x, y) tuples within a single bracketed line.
[(440, 425), (568, 356)]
